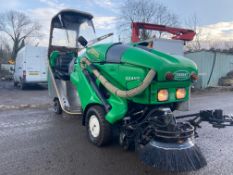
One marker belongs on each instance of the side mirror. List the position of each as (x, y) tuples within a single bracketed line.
[(82, 41)]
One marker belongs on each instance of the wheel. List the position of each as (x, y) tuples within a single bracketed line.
[(57, 106), (22, 85), (15, 83), (99, 131)]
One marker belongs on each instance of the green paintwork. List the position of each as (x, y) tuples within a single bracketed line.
[(97, 53), (86, 93), (134, 66), (88, 96), (53, 56), (158, 61)]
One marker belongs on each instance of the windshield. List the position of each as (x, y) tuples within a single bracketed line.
[(63, 37), (86, 30), (68, 38)]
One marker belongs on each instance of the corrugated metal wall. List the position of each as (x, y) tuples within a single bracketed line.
[(212, 66)]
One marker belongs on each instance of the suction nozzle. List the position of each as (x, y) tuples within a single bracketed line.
[(172, 157)]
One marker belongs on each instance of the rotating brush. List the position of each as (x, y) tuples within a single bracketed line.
[(172, 157)]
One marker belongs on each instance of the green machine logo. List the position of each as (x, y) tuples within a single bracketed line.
[(181, 75)]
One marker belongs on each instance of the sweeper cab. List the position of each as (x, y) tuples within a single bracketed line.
[(127, 89)]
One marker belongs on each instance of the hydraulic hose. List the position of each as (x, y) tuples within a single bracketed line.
[(118, 92)]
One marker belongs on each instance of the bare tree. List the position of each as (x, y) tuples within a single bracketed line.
[(18, 26), (192, 22), (228, 45), (147, 11), (5, 51)]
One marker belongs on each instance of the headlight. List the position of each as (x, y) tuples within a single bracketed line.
[(162, 95), (180, 93)]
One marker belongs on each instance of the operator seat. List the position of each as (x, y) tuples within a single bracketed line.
[(62, 63)]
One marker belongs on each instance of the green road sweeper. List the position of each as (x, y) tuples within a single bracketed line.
[(127, 89)]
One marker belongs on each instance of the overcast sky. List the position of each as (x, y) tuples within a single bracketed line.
[(215, 16)]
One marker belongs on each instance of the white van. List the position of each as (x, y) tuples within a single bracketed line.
[(31, 66)]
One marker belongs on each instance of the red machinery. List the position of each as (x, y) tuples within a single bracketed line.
[(178, 33)]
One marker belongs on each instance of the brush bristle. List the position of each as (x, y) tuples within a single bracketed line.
[(172, 157)]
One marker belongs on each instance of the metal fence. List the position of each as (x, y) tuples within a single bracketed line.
[(212, 66)]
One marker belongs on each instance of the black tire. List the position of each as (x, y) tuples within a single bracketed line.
[(15, 83), (105, 132), (22, 85), (57, 106)]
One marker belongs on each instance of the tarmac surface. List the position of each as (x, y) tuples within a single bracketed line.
[(33, 140)]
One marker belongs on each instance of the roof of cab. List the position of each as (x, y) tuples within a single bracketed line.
[(69, 16)]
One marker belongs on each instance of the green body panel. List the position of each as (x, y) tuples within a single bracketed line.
[(97, 53), (135, 63), (160, 62), (118, 110), (86, 93), (53, 56), (156, 60), (88, 96), (130, 73)]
